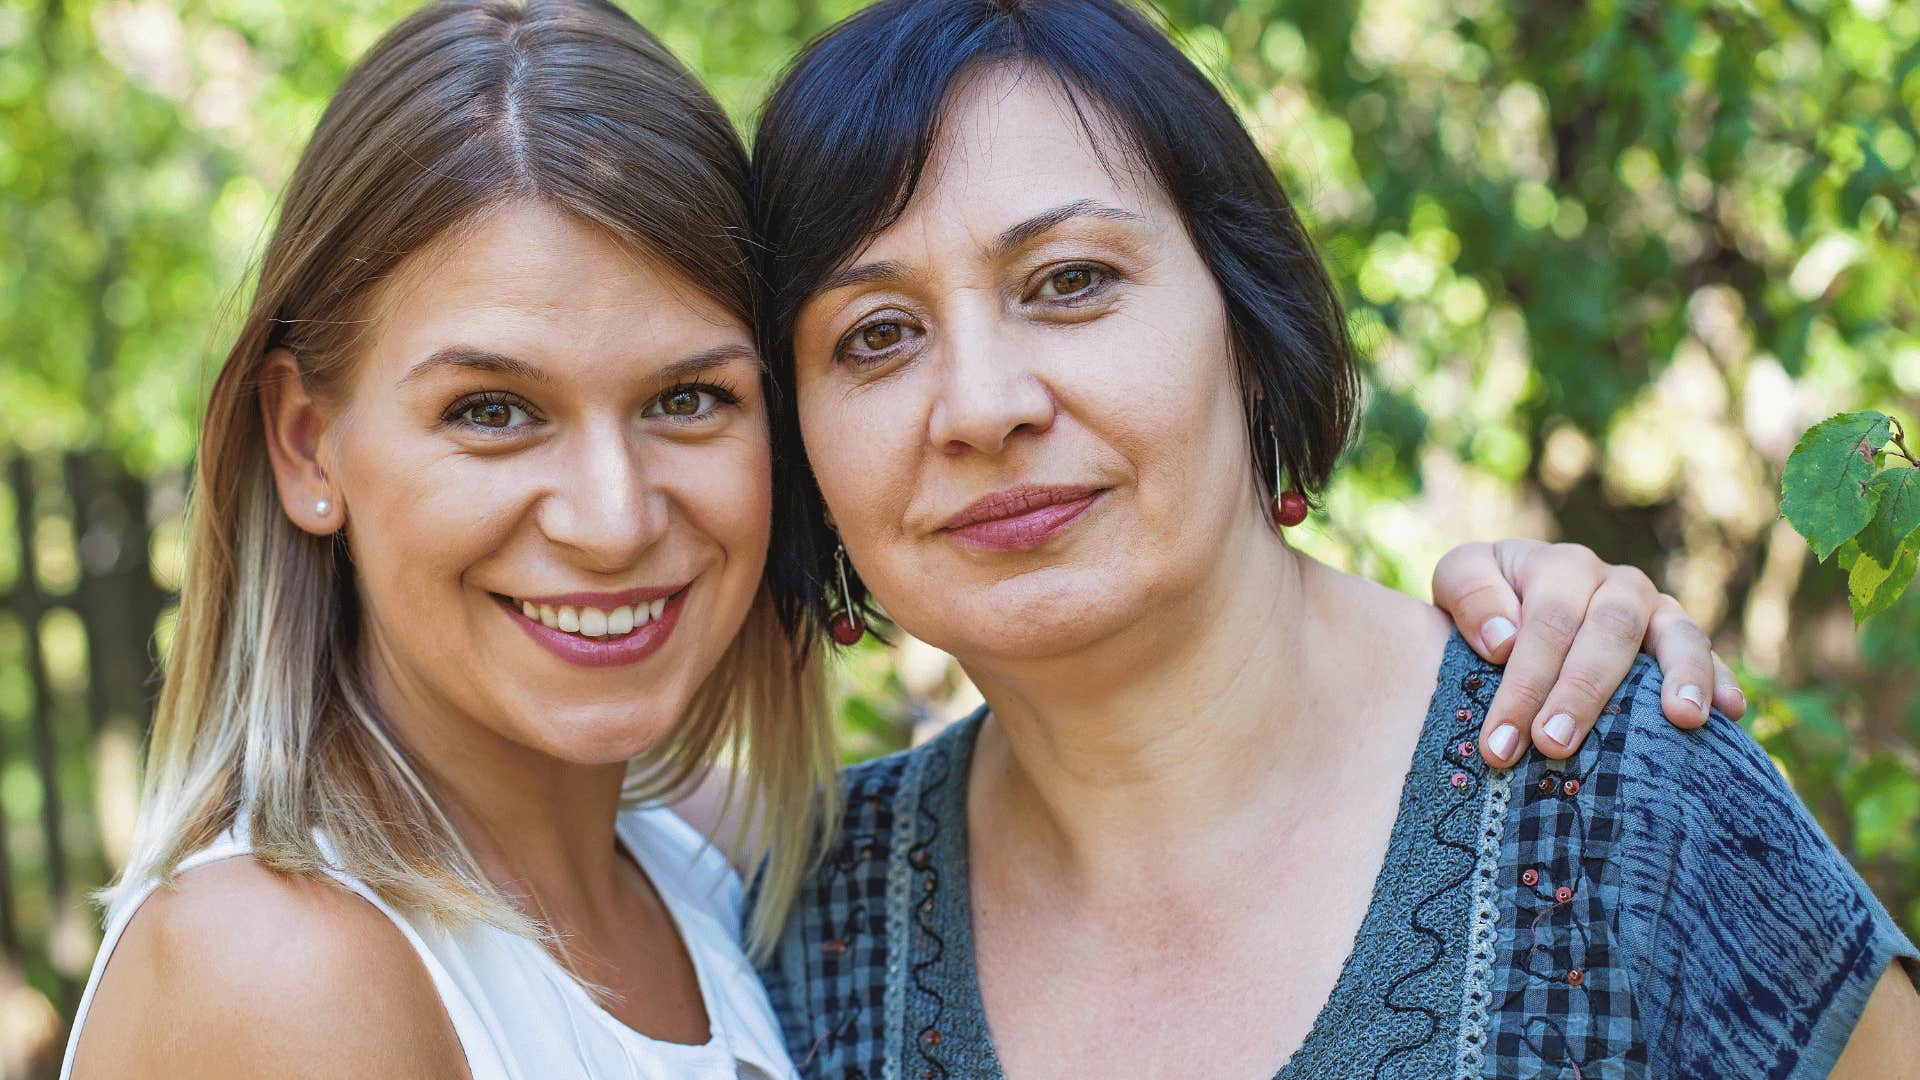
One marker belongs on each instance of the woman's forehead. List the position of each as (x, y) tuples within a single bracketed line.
[(1011, 145)]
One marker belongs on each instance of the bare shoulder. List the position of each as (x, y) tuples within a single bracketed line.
[(237, 970)]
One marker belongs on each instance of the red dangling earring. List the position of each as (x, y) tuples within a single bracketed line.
[(1289, 507), (847, 627)]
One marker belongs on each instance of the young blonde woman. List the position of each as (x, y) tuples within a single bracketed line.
[(481, 516), (476, 563)]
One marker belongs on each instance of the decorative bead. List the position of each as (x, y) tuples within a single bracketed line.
[(920, 859), (929, 885), (847, 630), (1546, 784), (1473, 682), (1289, 509), (1562, 894), (1576, 977), (1463, 715), (1465, 748), (866, 852), (835, 947), (1459, 780), (1571, 787), (927, 904), (932, 1037), (1530, 877)]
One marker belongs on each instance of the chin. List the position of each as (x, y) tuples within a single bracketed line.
[(1037, 615), (601, 734)]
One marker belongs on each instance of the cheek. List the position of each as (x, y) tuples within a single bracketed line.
[(416, 518), (725, 492), (860, 445)]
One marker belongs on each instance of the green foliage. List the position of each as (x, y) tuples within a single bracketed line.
[(1827, 491), (1835, 493)]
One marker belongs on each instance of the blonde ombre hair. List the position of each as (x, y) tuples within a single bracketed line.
[(266, 715)]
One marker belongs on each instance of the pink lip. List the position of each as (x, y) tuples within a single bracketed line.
[(1020, 518), (629, 648)]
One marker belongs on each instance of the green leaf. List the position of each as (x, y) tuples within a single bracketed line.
[(1826, 492), (1873, 588), (1897, 517)]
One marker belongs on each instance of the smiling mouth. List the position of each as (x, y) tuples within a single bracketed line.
[(585, 621), (1021, 518)]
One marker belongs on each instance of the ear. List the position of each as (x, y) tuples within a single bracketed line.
[(294, 423)]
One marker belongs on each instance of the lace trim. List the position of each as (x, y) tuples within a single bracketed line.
[(899, 878), (1483, 932)]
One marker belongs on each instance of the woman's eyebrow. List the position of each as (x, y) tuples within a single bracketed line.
[(706, 360), (1014, 236), (474, 359)]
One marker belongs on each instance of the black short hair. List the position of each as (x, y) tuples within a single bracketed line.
[(847, 132)]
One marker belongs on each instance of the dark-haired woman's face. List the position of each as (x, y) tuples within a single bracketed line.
[(1018, 399)]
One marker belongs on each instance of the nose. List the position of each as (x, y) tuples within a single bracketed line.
[(602, 506), (987, 394)]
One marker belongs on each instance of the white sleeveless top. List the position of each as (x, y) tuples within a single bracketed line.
[(517, 1012)]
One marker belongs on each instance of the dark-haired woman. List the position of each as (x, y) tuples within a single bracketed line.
[(1058, 349)]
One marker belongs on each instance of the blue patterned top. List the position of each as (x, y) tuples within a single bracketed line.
[(1659, 905)]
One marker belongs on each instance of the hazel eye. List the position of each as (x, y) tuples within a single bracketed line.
[(692, 401), (1068, 281), (494, 415), (684, 402)]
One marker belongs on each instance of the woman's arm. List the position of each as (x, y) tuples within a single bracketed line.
[(1885, 1045), (1568, 626), (238, 971)]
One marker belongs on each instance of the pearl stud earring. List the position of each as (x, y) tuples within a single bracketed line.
[(323, 508)]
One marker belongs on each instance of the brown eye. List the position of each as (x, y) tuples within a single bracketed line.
[(681, 403), (1072, 280), (490, 414), (880, 336)]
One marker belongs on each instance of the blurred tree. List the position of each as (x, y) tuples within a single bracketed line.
[(1607, 260)]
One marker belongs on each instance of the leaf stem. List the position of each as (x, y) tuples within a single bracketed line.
[(1899, 440)]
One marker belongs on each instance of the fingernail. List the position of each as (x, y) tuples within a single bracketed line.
[(1560, 729), (1496, 632), (1692, 694), (1503, 740), (1739, 695)]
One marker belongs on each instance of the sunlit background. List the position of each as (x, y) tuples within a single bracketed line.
[(1607, 260)]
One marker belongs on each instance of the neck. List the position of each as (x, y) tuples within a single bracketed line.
[(542, 829), (1218, 717)]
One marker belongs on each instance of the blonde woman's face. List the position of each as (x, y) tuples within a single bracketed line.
[(553, 465)]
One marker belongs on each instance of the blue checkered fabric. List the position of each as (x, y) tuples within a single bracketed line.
[(1675, 911), (828, 978)]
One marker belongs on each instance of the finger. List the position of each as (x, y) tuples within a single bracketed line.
[(1468, 583), (1602, 654), (1554, 605), (1727, 695), (1686, 659)]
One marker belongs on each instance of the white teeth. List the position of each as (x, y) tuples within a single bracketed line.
[(593, 622)]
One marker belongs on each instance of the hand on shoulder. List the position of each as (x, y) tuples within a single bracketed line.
[(235, 970)]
